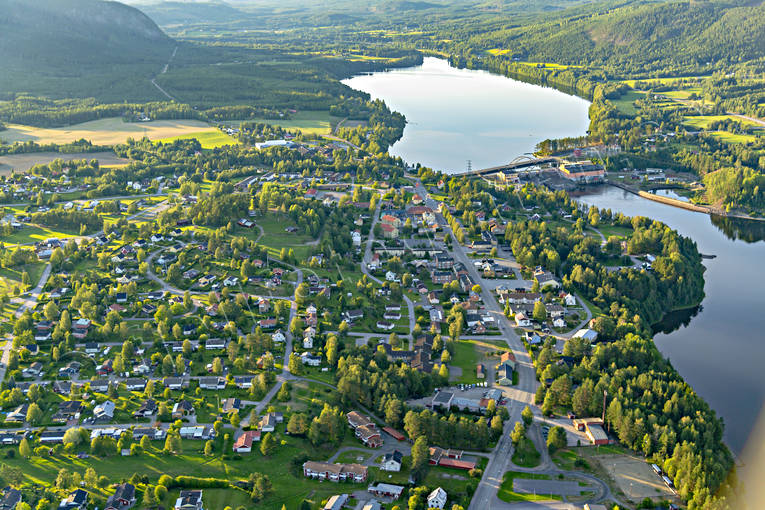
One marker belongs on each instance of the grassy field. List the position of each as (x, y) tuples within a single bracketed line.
[(32, 234), (309, 122), (109, 131), (288, 488), (624, 103), (11, 276), (703, 121), (729, 137), (208, 139), (662, 81)]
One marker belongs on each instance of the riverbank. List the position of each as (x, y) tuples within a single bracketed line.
[(705, 209)]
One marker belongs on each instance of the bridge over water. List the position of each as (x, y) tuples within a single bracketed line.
[(518, 163)]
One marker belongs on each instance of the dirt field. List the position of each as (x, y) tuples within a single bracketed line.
[(634, 477), (105, 131), (23, 162)]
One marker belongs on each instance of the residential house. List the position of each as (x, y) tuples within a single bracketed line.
[(183, 409), (135, 384), (216, 344), (189, 500), (312, 360), (505, 375), (370, 436), (11, 498), (336, 502), (212, 383), (278, 337), (243, 443), (392, 461), (123, 497), (507, 358), (386, 490), (335, 472), (148, 408), (104, 411), (437, 498), (18, 415), (76, 500), (229, 405)]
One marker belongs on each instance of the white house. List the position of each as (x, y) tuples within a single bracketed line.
[(311, 360), (392, 461), (521, 320), (356, 238), (587, 334), (308, 342), (278, 337), (569, 299), (390, 276), (437, 498)]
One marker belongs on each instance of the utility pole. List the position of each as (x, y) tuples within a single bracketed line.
[(605, 394)]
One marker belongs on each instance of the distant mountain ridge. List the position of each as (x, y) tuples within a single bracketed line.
[(47, 46)]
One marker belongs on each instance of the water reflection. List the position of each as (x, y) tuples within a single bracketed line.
[(749, 231), (675, 320)]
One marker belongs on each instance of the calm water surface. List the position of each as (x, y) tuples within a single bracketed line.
[(459, 115), (456, 115)]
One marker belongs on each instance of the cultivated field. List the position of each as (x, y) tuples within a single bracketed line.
[(207, 139), (109, 131), (23, 162), (634, 477)]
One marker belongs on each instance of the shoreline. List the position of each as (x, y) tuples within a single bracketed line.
[(704, 209)]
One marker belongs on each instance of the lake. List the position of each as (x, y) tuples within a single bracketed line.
[(719, 348), (455, 115)]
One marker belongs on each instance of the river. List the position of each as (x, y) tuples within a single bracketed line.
[(455, 115)]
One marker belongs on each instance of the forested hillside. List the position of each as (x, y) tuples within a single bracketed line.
[(61, 47), (636, 37)]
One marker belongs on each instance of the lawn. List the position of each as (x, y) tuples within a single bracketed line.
[(465, 357), (611, 230), (207, 139), (507, 494), (525, 454), (275, 237), (108, 131)]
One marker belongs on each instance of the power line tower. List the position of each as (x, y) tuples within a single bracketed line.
[(469, 166)]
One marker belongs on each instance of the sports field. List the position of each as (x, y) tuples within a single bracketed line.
[(109, 131), (634, 476)]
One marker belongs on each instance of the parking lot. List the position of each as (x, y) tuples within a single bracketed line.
[(475, 393)]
